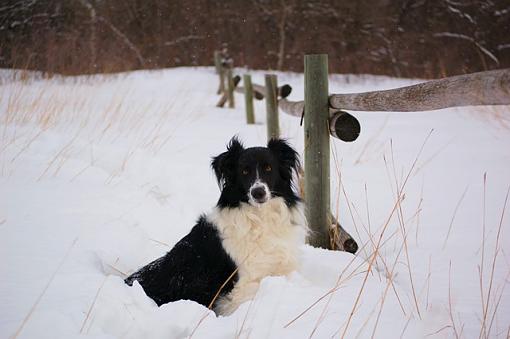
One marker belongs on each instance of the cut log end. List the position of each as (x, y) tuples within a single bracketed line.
[(258, 95), (285, 91), (340, 240), (350, 246), (344, 126)]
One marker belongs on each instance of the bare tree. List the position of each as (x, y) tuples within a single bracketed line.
[(413, 38), (92, 25), (281, 15)]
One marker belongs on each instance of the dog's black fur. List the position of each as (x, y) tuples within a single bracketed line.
[(198, 265), (194, 269)]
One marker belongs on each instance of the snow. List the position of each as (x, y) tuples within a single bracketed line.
[(101, 174)]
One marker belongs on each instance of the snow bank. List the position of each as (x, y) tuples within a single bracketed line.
[(99, 175)]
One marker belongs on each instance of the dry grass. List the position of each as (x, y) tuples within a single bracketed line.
[(397, 208), (453, 216), (34, 108), (491, 297), (338, 285), (43, 292), (372, 256), (400, 218), (486, 328), (372, 148), (240, 331), (453, 324), (89, 312)]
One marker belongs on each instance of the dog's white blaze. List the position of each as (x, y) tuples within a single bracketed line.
[(262, 241)]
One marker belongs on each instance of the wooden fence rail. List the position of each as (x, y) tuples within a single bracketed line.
[(476, 89), (256, 93)]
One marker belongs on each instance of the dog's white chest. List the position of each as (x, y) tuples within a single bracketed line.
[(262, 241)]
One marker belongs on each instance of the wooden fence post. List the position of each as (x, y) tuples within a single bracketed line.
[(273, 129), (248, 99), (230, 88), (220, 69), (217, 61), (317, 175), (221, 86)]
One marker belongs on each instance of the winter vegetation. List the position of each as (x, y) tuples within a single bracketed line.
[(402, 38), (101, 174)]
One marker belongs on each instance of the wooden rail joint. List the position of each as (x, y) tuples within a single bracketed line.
[(342, 125)]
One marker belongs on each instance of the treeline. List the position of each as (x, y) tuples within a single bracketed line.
[(409, 38)]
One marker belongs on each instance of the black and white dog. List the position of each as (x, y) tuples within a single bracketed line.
[(254, 231)]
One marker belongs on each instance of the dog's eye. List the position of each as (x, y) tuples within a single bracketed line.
[(245, 171), (268, 168)]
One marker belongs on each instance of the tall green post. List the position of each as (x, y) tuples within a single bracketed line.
[(271, 96), (248, 99), (317, 175)]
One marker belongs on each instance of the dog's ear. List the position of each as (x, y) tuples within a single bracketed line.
[(288, 158), (225, 164)]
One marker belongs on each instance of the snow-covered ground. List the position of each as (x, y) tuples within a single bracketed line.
[(99, 175)]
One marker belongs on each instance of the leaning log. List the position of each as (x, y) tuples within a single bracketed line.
[(224, 96), (259, 92), (476, 89)]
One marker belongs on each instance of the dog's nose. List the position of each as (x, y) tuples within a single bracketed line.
[(350, 246), (258, 193)]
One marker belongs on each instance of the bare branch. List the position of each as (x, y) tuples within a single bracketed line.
[(125, 39), (93, 21), (467, 38), (183, 39)]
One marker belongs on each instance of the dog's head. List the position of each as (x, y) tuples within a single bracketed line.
[(257, 174)]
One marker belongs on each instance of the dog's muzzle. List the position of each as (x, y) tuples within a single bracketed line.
[(259, 193)]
